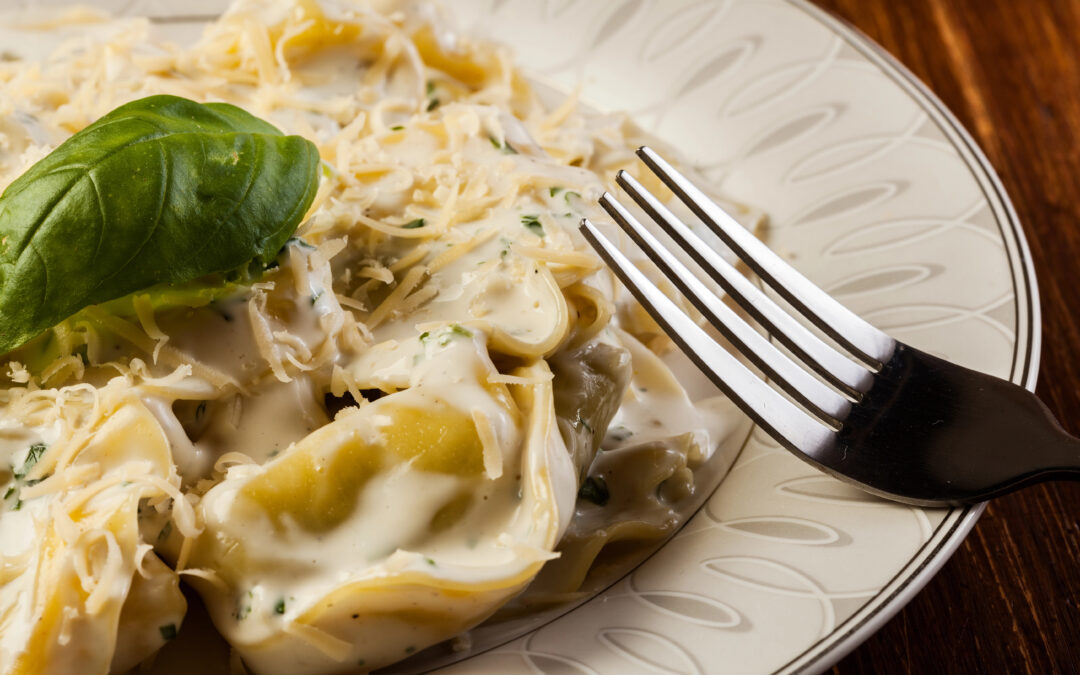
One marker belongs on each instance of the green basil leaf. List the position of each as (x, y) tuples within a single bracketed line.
[(160, 190)]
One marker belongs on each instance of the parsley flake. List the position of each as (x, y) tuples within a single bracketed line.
[(32, 457), (594, 490), (503, 145), (580, 422), (532, 224)]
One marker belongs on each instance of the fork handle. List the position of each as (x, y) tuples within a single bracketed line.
[(973, 436)]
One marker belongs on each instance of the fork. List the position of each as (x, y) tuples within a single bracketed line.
[(869, 410)]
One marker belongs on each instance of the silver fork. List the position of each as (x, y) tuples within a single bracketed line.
[(891, 419)]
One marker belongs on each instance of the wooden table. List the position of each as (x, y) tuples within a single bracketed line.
[(1009, 599)]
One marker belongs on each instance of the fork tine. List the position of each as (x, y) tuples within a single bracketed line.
[(836, 368), (779, 417), (841, 324), (817, 397)]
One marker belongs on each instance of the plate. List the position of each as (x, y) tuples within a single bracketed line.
[(873, 190)]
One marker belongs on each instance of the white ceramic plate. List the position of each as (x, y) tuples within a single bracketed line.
[(876, 193)]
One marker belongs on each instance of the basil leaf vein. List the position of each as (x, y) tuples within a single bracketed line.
[(161, 190)]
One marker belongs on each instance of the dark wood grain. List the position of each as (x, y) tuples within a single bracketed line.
[(1009, 599)]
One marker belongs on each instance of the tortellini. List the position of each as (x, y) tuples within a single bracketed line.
[(401, 523), (79, 593)]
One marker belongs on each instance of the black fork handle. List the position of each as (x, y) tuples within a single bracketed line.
[(932, 433)]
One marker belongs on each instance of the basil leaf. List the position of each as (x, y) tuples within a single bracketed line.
[(160, 190)]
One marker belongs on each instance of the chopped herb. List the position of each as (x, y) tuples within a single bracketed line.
[(619, 433), (532, 224), (168, 631), (18, 505), (9, 493), (124, 484), (445, 335), (429, 561), (397, 127), (165, 532), (594, 490), (200, 410), (274, 453), (430, 89), (502, 145), (567, 197), (580, 422), (32, 457), (414, 224), (301, 243), (432, 104), (555, 190), (316, 295), (243, 610), (279, 607)]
